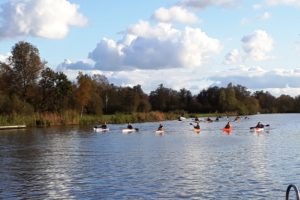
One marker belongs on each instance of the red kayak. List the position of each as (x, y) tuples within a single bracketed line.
[(227, 130)]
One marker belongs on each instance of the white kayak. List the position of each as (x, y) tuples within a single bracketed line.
[(181, 118), (160, 132), (99, 129), (127, 130), (257, 129)]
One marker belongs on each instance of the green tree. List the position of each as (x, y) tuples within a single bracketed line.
[(297, 104), (55, 90), (164, 99), (285, 104), (6, 79), (266, 101)]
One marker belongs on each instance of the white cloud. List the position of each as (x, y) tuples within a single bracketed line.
[(42, 18), (150, 79), (79, 65), (233, 57), (155, 47), (283, 2), (277, 81), (257, 45), (3, 58), (201, 4), (175, 14)]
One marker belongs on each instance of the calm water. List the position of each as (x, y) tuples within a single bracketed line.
[(76, 163)]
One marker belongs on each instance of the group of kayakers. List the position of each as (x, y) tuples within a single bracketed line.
[(104, 126), (228, 126)]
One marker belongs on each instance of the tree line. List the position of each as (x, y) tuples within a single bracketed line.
[(28, 85)]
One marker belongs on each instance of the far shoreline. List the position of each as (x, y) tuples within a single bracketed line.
[(72, 118)]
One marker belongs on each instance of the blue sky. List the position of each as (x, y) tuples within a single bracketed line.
[(190, 44)]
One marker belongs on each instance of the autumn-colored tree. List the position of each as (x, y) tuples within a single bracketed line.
[(84, 90)]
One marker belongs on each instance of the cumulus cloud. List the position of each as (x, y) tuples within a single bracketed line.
[(79, 65), (155, 47), (3, 58), (256, 78), (283, 2), (257, 45), (150, 79), (277, 81), (175, 14), (201, 4), (233, 57), (41, 18)]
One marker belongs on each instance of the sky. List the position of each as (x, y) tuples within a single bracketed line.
[(191, 44)]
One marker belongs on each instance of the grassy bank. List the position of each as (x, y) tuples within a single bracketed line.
[(73, 118)]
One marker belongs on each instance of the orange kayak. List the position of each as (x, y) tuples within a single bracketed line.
[(227, 130)]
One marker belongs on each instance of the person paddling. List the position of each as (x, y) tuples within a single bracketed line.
[(259, 125), (197, 126), (129, 126), (104, 126), (160, 127), (228, 125)]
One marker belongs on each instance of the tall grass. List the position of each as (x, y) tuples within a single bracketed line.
[(73, 118)]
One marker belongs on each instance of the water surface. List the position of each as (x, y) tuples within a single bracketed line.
[(77, 163)]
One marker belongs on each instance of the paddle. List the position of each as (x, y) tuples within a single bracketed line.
[(194, 126), (263, 126)]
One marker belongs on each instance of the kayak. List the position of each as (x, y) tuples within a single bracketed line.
[(227, 129), (197, 130), (99, 129), (127, 130), (181, 118), (160, 132), (257, 129)]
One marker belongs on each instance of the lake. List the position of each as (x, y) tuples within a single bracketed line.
[(78, 163)]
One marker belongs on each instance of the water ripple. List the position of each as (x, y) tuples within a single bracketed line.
[(76, 163)]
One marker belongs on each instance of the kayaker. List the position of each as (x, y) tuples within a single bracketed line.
[(209, 119), (129, 126), (197, 126), (160, 127), (104, 126), (259, 125), (197, 119), (237, 118), (228, 125)]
